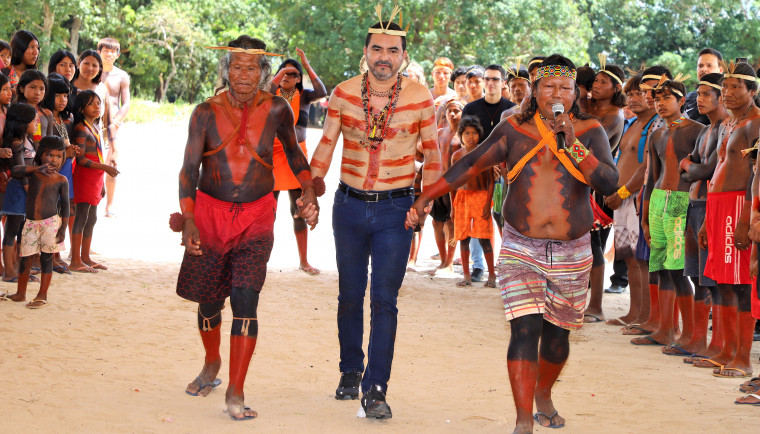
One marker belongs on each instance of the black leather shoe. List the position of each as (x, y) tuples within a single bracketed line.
[(349, 385), (374, 405), (477, 274)]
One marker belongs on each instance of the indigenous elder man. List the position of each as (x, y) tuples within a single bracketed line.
[(381, 115), (545, 257), (228, 209)]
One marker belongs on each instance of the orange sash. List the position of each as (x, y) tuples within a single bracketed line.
[(295, 104), (236, 123), (547, 139)]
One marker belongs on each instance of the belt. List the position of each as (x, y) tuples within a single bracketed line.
[(370, 196)]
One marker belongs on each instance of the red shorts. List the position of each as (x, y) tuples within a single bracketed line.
[(725, 263), (236, 240), (755, 302)]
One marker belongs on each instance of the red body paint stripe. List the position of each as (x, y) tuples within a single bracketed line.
[(351, 99), (356, 163), (399, 162)]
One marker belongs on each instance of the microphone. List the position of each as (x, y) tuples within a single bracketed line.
[(558, 109)]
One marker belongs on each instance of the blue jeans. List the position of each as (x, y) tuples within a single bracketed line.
[(363, 230), (477, 256)]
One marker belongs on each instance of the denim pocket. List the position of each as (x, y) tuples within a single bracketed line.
[(340, 198), (402, 203)]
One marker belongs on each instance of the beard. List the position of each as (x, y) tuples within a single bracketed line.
[(381, 74)]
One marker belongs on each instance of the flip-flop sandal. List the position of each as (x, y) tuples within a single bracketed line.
[(616, 322), (723, 369), (594, 319), (749, 384), (491, 283), (644, 332), (31, 306), (551, 424), (648, 340), (756, 404), (709, 361), (60, 269), (214, 384), (690, 360), (678, 351), (238, 419), (464, 283)]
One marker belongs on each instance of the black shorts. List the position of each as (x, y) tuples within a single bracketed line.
[(441, 209)]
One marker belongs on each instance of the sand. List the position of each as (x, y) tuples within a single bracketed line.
[(113, 352)]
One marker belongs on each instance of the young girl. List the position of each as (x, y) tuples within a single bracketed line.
[(19, 125), (5, 99), (64, 63), (57, 101), (25, 51), (287, 83), (5, 54), (31, 90), (472, 205), (44, 230), (88, 179)]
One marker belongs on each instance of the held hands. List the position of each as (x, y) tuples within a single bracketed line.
[(73, 151), (191, 238), (417, 213), (308, 208)]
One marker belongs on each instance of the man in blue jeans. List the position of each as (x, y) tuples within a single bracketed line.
[(381, 115)]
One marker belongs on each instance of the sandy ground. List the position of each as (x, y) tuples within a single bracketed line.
[(113, 352)]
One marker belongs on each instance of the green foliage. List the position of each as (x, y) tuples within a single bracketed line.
[(332, 33), (144, 111)]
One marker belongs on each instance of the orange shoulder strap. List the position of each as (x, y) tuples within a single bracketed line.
[(547, 138)]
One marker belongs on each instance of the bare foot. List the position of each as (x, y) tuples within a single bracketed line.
[(206, 381), (17, 298), (95, 265), (466, 282), (237, 409), (308, 269), (81, 267)]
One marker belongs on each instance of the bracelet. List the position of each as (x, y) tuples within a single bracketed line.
[(577, 151), (623, 192), (177, 221)]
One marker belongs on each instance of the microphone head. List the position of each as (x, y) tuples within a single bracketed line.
[(558, 108)]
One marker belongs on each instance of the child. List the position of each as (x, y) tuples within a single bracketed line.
[(5, 99), (57, 101), (472, 205), (19, 125), (5, 54), (25, 52), (44, 229), (31, 90), (88, 179)]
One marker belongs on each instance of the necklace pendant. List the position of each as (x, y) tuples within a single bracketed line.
[(491, 123)]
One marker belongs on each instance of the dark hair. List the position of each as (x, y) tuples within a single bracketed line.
[(745, 69), (56, 85), (657, 70), (575, 110), (56, 58), (389, 26), (470, 121), (522, 73), (712, 51), (5, 46), (85, 54), (671, 87), (532, 66), (618, 98), (80, 102), (244, 41), (714, 78), (295, 64), (585, 76), (474, 71), (494, 67), (17, 120), (109, 43), (19, 43), (458, 72), (27, 77), (633, 83), (48, 143), (4, 79)]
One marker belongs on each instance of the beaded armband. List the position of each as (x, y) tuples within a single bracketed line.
[(577, 151), (623, 192)]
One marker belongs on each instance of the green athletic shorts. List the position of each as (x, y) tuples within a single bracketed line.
[(667, 225)]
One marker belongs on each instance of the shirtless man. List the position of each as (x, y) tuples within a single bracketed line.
[(608, 102), (381, 115), (632, 167), (724, 233), (442, 69), (666, 200), (117, 82), (443, 225), (228, 210), (698, 169), (547, 217)]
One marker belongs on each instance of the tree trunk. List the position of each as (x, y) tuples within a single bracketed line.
[(160, 90), (76, 24), (48, 20)]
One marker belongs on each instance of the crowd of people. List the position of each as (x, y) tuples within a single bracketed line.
[(58, 158)]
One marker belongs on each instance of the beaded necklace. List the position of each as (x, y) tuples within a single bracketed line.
[(676, 122), (288, 95), (730, 126), (374, 135)]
